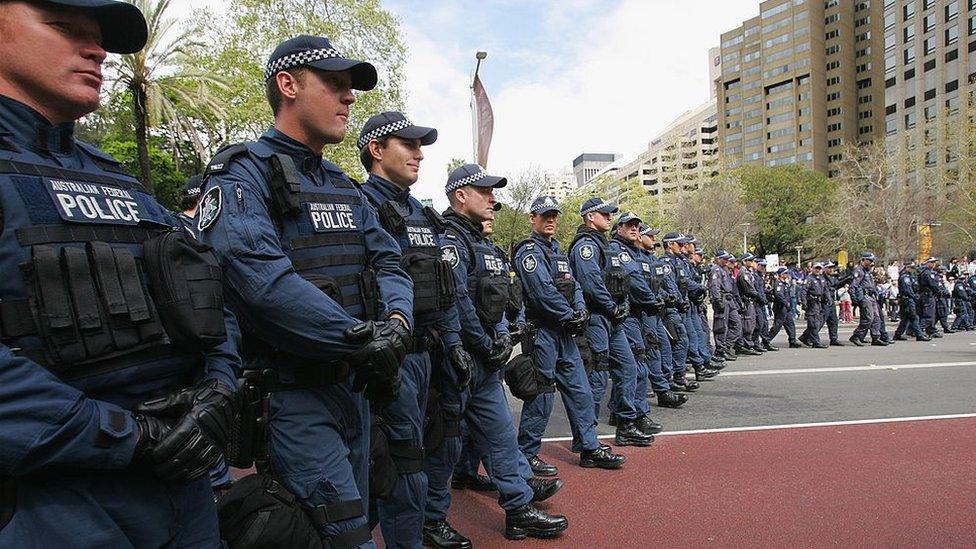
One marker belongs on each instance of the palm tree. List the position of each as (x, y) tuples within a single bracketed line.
[(159, 96)]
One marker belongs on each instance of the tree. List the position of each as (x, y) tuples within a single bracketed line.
[(158, 97), (788, 203), (715, 213), (237, 45), (454, 164), (169, 179), (512, 221)]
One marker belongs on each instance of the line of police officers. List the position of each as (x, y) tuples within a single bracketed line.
[(382, 322)]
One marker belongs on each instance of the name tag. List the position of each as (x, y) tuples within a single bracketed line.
[(494, 264), (80, 202), (327, 217), (421, 237), (562, 266)]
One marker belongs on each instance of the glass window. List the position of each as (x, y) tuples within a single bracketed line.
[(952, 35), (928, 22), (909, 33), (929, 45), (951, 10), (909, 10), (909, 54)]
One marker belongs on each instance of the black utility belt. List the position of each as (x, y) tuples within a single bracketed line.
[(305, 377)]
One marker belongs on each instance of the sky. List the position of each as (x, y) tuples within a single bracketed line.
[(564, 76)]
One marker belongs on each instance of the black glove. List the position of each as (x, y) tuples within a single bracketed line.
[(576, 324), (462, 363), (151, 431), (619, 313), (520, 331), (719, 306), (194, 443), (683, 306), (378, 362), (501, 351)]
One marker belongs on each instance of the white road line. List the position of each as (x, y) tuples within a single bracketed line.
[(869, 367), (788, 426)]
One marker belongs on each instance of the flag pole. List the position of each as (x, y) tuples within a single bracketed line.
[(474, 109)]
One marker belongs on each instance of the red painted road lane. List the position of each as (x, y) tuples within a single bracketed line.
[(910, 484)]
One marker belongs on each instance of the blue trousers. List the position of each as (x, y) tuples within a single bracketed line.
[(319, 443), (680, 346), (870, 320), (470, 461), (927, 312), (112, 508), (492, 429), (439, 462), (605, 339), (556, 357), (402, 515), (635, 336), (697, 340), (658, 369)]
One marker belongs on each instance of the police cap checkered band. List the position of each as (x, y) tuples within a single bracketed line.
[(598, 206), (544, 204), (379, 132), (298, 59), (473, 178)]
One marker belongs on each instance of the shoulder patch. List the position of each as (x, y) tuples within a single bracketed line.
[(529, 263), (625, 257), (586, 252), (715, 276), (449, 253), (209, 208)]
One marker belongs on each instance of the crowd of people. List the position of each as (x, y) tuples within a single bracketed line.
[(350, 344)]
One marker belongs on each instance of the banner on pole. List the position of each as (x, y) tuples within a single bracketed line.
[(484, 120)]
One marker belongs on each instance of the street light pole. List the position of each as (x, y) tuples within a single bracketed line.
[(474, 111), (798, 248), (745, 242)]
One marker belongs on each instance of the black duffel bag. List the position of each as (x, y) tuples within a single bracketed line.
[(257, 512)]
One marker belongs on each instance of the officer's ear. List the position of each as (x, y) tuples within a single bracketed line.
[(375, 150), (289, 82)]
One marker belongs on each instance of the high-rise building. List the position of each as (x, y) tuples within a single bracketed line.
[(559, 185), (800, 82), (929, 70), (587, 165), (679, 158)]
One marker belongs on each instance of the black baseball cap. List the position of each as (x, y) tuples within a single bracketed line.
[(123, 26), (394, 123), (472, 174), (544, 204), (597, 204), (317, 52)]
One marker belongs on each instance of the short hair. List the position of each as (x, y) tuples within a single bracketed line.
[(366, 157), (273, 94), (189, 202)]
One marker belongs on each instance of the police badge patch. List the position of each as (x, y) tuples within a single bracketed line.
[(625, 257), (529, 263), (449, 253), (586, 252), (209, 208)]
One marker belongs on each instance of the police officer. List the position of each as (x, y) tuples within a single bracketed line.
[(864, 292), (815, 299), (657, 342), (745, 281), (481, 278), (390, 150), (928, 291), (696, 297), (782, 308), (316, 282), (641, 300), (719, 283), (701, 271), (114, 403), (555, 305), (908, 305), (686, 346), (605, 287), (189, 198), (834, 283), (762, 316)]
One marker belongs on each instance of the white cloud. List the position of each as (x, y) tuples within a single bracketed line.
[(626, 72)]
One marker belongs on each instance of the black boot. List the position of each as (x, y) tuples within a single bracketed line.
[(900, 338), (748, 351), (544, 488), (856, 341), (935, 334), (923, 337), (730, 356), (795, 345), (685, 385), (770, 347), (668, 399), (717, 357), (601, 459), (717, 366), (527, 521), (439, 534), (879, 342), (836, 343), (648, 425), (541, 468), (478, 483), (629, 435), (702, 373)]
